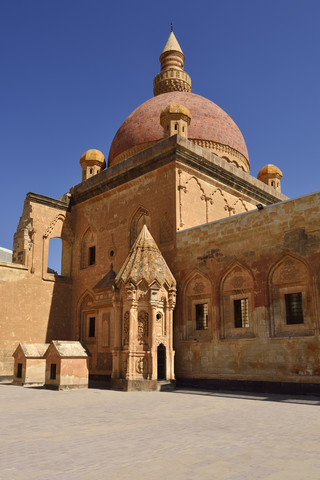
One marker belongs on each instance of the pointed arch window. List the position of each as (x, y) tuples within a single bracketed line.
[(291, 300), (197, 308), (88, 249), (237, 293)]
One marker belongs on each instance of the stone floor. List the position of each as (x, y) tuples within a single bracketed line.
[(100, 434)]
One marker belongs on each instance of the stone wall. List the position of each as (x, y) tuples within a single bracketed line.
[(261, 256), (35, 305)]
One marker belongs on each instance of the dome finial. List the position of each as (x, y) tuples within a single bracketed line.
[(172, 77)]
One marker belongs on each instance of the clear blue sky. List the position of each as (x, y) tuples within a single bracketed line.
[(73, 70)]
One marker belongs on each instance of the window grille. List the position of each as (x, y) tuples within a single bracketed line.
[(202, 316), (294, 311), (241, 313)]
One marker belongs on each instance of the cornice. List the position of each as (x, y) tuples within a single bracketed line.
[(169, 150), (48, 201), (229, 176)]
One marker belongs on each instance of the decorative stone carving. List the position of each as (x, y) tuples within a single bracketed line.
[(143, 327), (199, 287), (237, 282), (142, 365), (172, 298), (222, 150), (288, 271), (125, 336)]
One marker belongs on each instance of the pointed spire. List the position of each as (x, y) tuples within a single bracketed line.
[(172, 44), (172, 77), (145, 262)]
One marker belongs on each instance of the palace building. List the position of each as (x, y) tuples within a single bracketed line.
[(177, 264)]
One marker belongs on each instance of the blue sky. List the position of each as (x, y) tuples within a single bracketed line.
[(72, 71)]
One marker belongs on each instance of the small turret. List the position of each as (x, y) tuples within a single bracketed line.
[(271, 175), (175, 119), (92, 162)]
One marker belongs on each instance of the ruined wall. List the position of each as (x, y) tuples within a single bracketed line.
[(266, 258), (35, 305)]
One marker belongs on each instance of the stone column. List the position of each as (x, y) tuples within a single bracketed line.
[(171, 305), (116, 357)]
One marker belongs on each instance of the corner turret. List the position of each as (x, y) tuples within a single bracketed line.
[(92, 162)]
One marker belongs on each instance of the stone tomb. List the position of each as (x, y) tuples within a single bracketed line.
[(29, 364), (66, 365)]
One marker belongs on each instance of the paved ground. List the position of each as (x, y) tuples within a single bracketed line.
[(99, 434)]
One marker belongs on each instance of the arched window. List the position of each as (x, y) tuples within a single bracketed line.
[(57, 247), (88, 249), (291, 298), (237, 294), (88, 318), (55, 256), (197, 309)]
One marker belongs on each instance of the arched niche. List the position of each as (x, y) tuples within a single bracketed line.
[(290, 298), (88, 248), (140, 218), (237, 303), (197, 308), (87, 327)]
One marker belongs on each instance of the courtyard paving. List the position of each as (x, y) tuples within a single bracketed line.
[(100, 434)]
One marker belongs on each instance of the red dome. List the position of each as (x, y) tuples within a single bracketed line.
[(208, 122)]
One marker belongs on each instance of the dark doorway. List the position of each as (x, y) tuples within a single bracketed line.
[(161, 353)]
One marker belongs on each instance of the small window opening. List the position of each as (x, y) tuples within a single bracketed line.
[(241, 314), (176, 127), (272, 183), (53, 371), (111, 253), (92, 255), (92, 327), (19, 370), (183, 129), (91, 171), (202, 316), (294, 311), (158, 316), (54, 256)]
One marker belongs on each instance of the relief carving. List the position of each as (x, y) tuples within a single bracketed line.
[(199, 287), (237, 282), (143, 327), (288, 271), (126, 329), (141, 365)]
